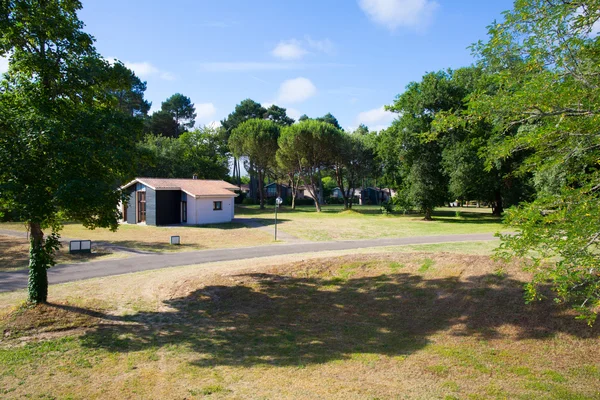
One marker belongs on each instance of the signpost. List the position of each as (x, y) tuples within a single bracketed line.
[(278, 202)]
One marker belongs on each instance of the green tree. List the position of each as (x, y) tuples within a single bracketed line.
[(257, 140), (162, 123), (310, 146), (65, 141), (247, 109), (129, 90), (200, 152), (424, 182), (278, 115), (330, 119), (546, 70), (182, 111), (352, 162)]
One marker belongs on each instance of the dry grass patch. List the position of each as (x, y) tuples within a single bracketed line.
[(14, 254), (351, 327), (153, 238)]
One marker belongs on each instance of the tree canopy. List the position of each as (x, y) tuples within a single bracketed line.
[(201, 152), (310, 145), (543, 101), (257, 140), (64, 127)]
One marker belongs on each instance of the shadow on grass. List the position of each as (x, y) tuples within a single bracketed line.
[(282, 320), (438, 215), (266, 221), (154, 247), (225, 226), (14, 253)]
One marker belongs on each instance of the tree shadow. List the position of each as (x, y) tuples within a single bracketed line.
[(143, 247), (282, 320), (14, 254), (269, 221)]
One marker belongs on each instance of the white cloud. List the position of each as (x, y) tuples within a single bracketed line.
[(147, 70), (293, 113), (295, 49), (375, 119), (415, 14), (289, 50), (296, 90), (324, 46), (214, 124), (205, 111), (3, 65)]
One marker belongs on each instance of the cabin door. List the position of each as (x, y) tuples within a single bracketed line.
[(141, 206)]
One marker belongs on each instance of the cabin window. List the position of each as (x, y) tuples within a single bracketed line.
[(217, 205)]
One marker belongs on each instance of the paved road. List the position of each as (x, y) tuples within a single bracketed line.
[(72, 272)]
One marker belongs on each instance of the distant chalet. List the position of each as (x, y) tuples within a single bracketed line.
[(158, 201)]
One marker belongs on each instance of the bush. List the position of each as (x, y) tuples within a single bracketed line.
[(387, 207), (335, 200), (304, 202), (401, 202), (249, 201)]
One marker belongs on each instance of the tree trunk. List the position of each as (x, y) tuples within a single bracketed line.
[(351, 197), (37, 285), (261, 190), (498, 207), (321, 199), (428, 212), (294, 187), (312, 191)]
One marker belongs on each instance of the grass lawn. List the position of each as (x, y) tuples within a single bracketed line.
[(152, 238), (367, 222), (14, 254), (357, 326)]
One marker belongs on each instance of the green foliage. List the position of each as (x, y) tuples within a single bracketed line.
[(247, 109), (424, 181), (330, 119), (278, 115), (41, 257), (182, 110), (307, 147), (129, 90), (353, 162), (200, 152), (162, 123), (69, 122), (257, 140), (544, 103)]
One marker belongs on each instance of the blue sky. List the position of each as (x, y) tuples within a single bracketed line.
[(347, 57)]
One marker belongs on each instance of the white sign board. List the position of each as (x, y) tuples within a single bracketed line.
[(278, 200)]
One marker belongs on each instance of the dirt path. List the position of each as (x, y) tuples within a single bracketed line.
[(10, 281)]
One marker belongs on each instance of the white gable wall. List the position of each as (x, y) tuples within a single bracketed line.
[(200, 210)]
